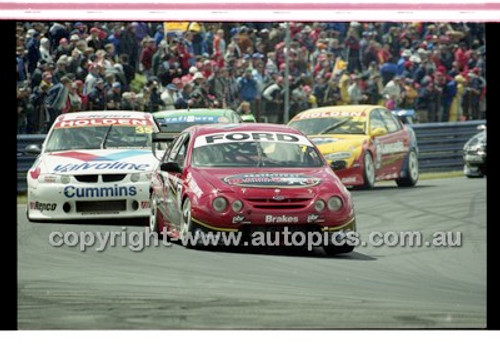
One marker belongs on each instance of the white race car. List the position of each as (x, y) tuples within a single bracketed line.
[(94, 164)]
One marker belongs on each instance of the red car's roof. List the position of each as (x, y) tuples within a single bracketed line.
[(242, 127)]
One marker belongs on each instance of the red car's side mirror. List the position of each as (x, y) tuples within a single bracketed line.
[(170, 167)]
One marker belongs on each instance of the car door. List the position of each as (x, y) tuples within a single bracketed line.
[(398, 143), (177, 180), (381, 138), (173, 181)]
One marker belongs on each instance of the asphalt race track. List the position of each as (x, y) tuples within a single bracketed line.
[(177, 288)]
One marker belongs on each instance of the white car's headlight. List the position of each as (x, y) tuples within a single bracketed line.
[(219, 204), (135, 177), (335, 203), (65, 179), (54, 179), (338, 156)]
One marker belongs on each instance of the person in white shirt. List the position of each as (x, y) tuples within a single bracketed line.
[(393, 90), (45, 50), (169, 97), (354, 90)]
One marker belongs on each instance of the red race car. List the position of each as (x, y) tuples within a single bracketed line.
[(250, 180)]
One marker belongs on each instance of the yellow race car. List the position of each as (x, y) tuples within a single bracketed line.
[(362, 143)]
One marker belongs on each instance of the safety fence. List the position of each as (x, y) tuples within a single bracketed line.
[(440, 146), (25, 159)]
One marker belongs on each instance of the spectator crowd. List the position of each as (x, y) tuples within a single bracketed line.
[(437, 69)]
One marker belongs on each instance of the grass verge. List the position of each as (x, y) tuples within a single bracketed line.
[(22, 199), (441, 175)]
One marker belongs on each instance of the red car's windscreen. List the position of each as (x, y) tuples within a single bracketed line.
[(247, 150)]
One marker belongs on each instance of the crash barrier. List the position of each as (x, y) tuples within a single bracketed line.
[(440, 146), (25, 159)]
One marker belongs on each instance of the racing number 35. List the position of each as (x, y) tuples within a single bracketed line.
[(144, 129)]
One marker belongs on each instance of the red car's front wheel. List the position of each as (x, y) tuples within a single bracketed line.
[(186, 228), (155, 220)]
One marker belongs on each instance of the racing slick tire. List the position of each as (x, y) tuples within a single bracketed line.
[(154, 219), (335, 250), (368, 172), (187, 226), (411, 176), (477, 174)]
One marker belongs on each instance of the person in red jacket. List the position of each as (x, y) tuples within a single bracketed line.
[(148, 50)]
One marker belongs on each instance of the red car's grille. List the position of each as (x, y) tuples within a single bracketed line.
[(281, 203)]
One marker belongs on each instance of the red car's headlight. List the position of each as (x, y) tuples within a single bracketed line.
[(335, 203), (219, 204), (319, 205), (237, 206)]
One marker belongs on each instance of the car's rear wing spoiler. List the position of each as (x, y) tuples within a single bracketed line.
[(163, 137), (406, 115), (161, 142)]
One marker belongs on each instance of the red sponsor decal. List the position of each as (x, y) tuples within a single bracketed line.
[(83, 156), (144, 204), (35, 173)]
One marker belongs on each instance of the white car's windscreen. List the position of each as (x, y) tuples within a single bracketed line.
[(99, 137)]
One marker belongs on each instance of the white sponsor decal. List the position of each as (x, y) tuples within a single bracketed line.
[(281, 219), (272, 179), (85, 115), (349, 180), (321, 141), (193, 185), (378, 153), (312, 218), (393, 148), (388, 176), (42, 206), (238, 218), (73, 167), (102, 122), (230, 137), (330, 114)]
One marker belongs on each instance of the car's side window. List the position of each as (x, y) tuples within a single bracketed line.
[(390, 122), (175, 148), (376, 120), (181, 154), (234, 117)]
